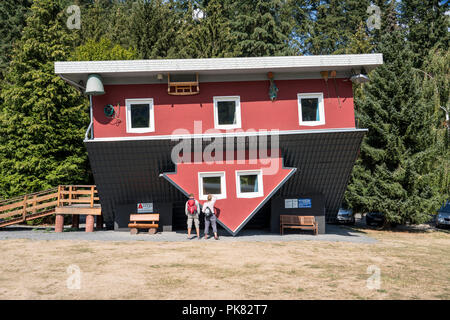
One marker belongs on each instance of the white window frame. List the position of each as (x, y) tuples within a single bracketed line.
[(237, 100), (319, 96), (149, 101), (260, 192), (223, 184)]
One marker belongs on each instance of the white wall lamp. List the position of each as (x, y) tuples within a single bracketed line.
[(359, 78), (94, 85)]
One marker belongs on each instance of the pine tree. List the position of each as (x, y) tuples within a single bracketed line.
[(102, 50), (360, 42), (261, 28), (12, 20), (120, 23), (427, 26), (208, 36), (396, 173), (332, 23), (154, 28), (42, 121), (437, 84), (95, 19)]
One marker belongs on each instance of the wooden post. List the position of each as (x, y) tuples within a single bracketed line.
[(59, 196), (59, 223), (99, 224), (89, 223), (24, 212), (92, 196), (70, 195), (34, 204), (75, 221)]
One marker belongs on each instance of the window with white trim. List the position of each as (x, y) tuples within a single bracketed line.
[(212, 183), (227, 112), (311, 109), (140, 115), (249, 184)]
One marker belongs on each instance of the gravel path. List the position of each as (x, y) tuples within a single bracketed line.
[(334, 233)]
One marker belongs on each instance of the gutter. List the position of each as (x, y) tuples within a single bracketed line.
[(90, 128), (82, 90), (78, 86)]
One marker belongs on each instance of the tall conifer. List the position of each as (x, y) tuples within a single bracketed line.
[(396, 172), (43, 119)]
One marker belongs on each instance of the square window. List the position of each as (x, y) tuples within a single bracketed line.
[(227, 112), (249, 184), (140, 115), (212, 183), (311, 109)]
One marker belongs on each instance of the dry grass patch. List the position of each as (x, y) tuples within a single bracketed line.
[(412, 265)]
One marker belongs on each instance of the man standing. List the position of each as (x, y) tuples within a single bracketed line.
[(192, 210)]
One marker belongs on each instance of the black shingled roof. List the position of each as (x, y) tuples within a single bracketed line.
[(129, 171)]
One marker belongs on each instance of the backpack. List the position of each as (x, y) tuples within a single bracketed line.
[(192, 208), (207, 212)]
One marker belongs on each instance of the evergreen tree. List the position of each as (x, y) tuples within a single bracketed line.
[(427, 26), (360, 42), (12, 20), (262, 28), (396, 173), (332, 23), (102, 50), (154, 28), (120, 23), (95, 19), (207, 36), (437, 84), (42, 121)]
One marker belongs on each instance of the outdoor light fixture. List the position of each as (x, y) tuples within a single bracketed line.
[(94, 85), (359, 78), (159, 76)]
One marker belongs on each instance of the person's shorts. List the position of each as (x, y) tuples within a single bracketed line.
[(193, 217)]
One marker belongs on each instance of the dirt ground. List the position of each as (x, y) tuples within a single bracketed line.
[(411, 265)]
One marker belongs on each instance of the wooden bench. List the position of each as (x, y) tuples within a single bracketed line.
[(298, 222), (144, 221)]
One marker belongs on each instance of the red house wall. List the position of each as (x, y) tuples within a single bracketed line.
[(231, 211), (257, 111)]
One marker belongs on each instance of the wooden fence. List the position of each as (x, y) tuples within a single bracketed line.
[(44, 203)]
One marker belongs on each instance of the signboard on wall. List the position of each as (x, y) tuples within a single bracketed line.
[(305, 203), (290, 203), (145, 207)]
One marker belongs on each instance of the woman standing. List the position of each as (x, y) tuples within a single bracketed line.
[(210, 217)]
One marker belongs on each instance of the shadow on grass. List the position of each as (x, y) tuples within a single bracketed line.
[(418, 229)]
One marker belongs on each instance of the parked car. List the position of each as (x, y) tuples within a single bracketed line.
[(375, 218), (345, 216), (443, 216)]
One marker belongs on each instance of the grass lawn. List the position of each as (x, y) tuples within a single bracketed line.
[(413, 265)]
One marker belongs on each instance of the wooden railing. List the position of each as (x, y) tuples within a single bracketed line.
[(80, 194), (40, 204), (28, 207)]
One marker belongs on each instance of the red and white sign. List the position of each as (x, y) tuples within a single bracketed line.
[(145, 207)]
